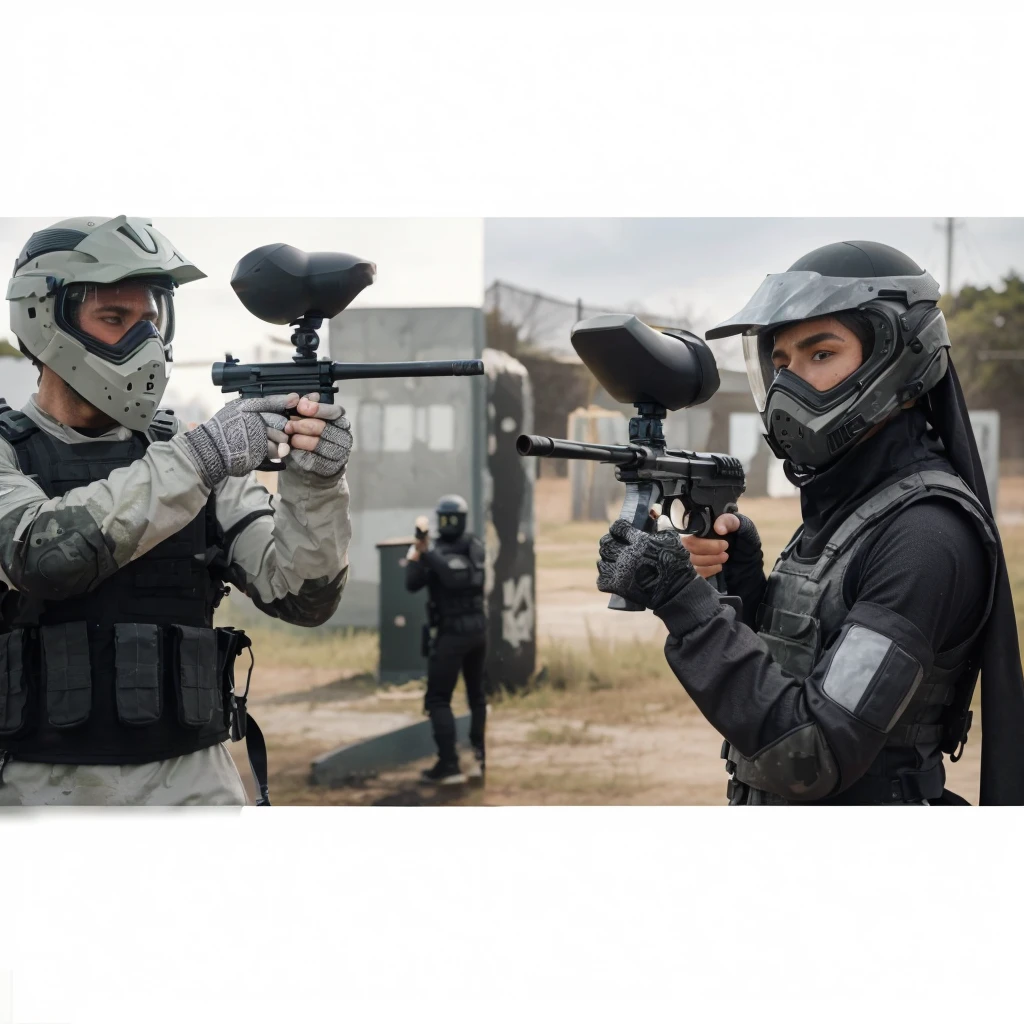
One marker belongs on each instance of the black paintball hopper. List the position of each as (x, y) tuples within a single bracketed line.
[(636, 364), (281, 284)]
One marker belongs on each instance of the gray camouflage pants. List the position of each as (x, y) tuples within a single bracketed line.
[(205, 778)]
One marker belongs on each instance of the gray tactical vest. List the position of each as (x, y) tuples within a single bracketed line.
[(803, 612)]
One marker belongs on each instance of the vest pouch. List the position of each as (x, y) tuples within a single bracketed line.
[(13, 683), (67, 673), (198, 677), (792, 639), (137, 673)]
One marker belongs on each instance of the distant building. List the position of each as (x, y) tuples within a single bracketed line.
[(416, 438)]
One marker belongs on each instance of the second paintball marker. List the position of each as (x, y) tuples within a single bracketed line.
[(654, 371), (284, 285)]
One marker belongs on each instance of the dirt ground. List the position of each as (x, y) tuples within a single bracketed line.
[(613, 726)]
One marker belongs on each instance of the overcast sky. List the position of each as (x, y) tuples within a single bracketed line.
[(701, 268), (707, 268)]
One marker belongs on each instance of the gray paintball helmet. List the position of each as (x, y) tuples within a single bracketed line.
[(452, 513), (72, 266), (906, 357)]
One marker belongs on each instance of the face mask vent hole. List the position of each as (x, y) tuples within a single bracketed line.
[(128, 388), (31, 312)]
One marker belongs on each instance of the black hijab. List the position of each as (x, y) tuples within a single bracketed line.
[(936, 433), (1002, 682)]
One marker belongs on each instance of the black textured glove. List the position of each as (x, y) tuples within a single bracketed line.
[(646, 568), (744, 572), (744, 545)]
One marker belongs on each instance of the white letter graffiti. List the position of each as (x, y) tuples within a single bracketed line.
[(517, 611)]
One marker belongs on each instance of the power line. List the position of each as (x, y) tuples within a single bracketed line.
[(949, 226), (984, 269)]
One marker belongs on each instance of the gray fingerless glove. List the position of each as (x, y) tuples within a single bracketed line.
[(234, 441), (646, 568), (330, 456)]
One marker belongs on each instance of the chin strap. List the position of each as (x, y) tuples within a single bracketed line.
[(798, 475)]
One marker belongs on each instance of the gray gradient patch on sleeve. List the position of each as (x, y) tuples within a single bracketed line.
[(872, 677)]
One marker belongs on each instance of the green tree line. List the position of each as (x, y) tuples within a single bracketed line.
[(983, 321)]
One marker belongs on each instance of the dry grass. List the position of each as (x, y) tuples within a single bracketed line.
[(281, 645), (603, 682), (567, 734)]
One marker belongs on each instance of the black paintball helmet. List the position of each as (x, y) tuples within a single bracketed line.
[(452, 514), (894, 304)]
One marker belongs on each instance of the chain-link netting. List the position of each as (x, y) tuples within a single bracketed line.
[(544, 323)]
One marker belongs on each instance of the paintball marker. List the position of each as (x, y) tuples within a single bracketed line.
[(422, 527), (284, 285), (654, 371)]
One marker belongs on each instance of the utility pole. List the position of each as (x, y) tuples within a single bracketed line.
[(950, 228)]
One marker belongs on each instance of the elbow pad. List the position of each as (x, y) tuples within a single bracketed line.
[(798, 766), (316, 601), (62, 554)]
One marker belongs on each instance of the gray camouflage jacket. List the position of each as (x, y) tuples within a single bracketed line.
[(292, 563)]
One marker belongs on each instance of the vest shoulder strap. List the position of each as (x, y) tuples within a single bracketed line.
[(15, 426), (164, 425), (929, 483)]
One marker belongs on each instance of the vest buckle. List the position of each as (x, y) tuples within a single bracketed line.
[(239, 717), (737, 793), (959, 752)]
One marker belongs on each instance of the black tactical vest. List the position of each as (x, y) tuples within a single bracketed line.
[(457, 597), (131, 671), (801, 616)]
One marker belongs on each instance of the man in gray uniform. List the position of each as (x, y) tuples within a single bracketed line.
[(851, 670), (119, 531)]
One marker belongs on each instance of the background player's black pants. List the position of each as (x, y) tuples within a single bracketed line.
[(453, 653)]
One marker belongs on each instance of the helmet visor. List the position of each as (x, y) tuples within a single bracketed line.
[(804, 295), (114, 320), (760, 369), (451, 524)]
